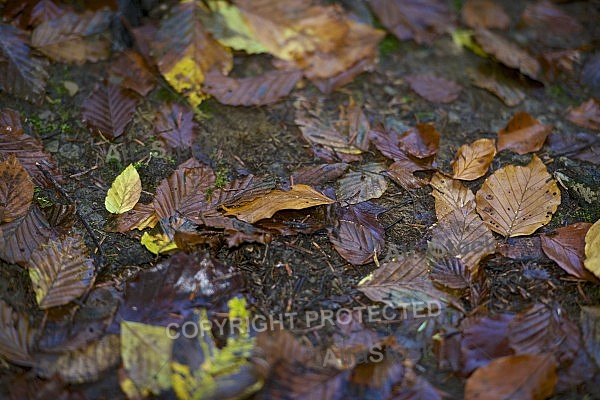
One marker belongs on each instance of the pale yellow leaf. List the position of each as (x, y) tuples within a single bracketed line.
[(125, 191), (158, 243), (592, 249), (473, 160)]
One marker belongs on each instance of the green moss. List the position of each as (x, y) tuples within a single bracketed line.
[(41, 198), (389, 45)]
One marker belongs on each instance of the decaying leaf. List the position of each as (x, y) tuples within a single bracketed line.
[(500, 86), (473, 160), (421, 142), (125, 191), (175, 124), (131, 71), (16, 336), (592, 249), (434, 88), (485, 14), (140, 217), (16, 190), (514, 377), (523, 134), (319, 174), (581, 145), (298, 197), (450, 272), (362, 184), (108, 110), (516, 200), (60, 271), (590, 329), (450, 195), (586, 115), (567, 248)]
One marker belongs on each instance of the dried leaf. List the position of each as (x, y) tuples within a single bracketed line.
[(421, 142), (358, 237), (175, 124), (131, 71), (297, 198), (125, 191), (507, 53), (473, 160), (450, 195), (434, 88), (16, 190), (319, 174), (60, 271), (516, 201), (521, 248), (523, 134), (44, 10), (240, 191), (142, 216), (499, 86), (485, 14), (362, 184), (108, 110), (259, 90), (592, 249), (22, 74), (516, 377), (185, 52), (550, 19), (61, 217), (567, 248), (581, 145), (450, 272), (17, 337), (586, 115), (74, 38), (10, 118), (401, 172)]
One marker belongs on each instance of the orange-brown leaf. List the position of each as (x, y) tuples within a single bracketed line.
[(586, 115), (473, 160), (485, 14), (523, 134), (16, 190), (450, 195)]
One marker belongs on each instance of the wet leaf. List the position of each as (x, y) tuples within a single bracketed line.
[(142, 216), (450, 272), (592, 249), (175, 124), (146, 352), (401, 283), (125, 191), (61, 217), (586, 115), (434, 88), (507, 53), (357, 236), (521, 248), (567, 248), (240, 191), (131, 71), (450, 195), (16, 336), (22, 74), (362, 184), (423, 21), (109, 109), (185, 52), (581, 145), (16, 190), (485, 14), (503, 88), (74, 38), (255, 91), (158, 243), (516, 201), (10, 118), (484, 339), (473, 160), (319, 174), (517, 377), (297, 198), (523, 134), (60, 271)]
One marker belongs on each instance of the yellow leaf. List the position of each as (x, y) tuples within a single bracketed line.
[(297, 198), (592, 249), (158, 243), (125, 191), (464, 38)]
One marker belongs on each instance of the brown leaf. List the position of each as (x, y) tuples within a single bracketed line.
[(108, 110), (131, 71), (500, 86), (450, 272), (17, 337), (590, 329), (581, 145), (61, 217), (330, 84), (516, 201), (240, 191), (507, 52), (142, 216), (586, 115), (44, 10), (485, 14), (358, 235), (484, 339), (402, 173), (363, 184), (421, 142), (60, 271), (521, 248), (550, 19), (319, 174), (175, 124), (10, 118), (297, 198), (450, 195), (423, 21), (514, 377), (259, 90), (523, 134), (433, 88), (473, 160), (566, 248), (16, 190)]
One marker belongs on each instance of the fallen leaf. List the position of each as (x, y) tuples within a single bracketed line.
[(450, 272), (60, 271), (131, 71), (516, 377), (358, 185), (473, 160), (549, 18), (434, 88), (485, 14), (140, 217), (516, 200), (10, 118), (402, 173), (298, 197), (125, 191), (357, 236), (44, 10), (590, 326), (158, 243), (523, 134), (175, 125), (500, 86), (109, 109), (586, 115), (17, 337), (507, 52), (581, 145), (240, 191), (422, 142), (319, 174), (567, 248), (450, 195), (484, 338), (16, 190), (592, 249), (521, 248)]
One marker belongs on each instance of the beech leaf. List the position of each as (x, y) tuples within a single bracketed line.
[(592, 249), (362, 184), (450, 195), (124, 192), (16, 190), (16, 336), (523, 134), (473, 160)]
